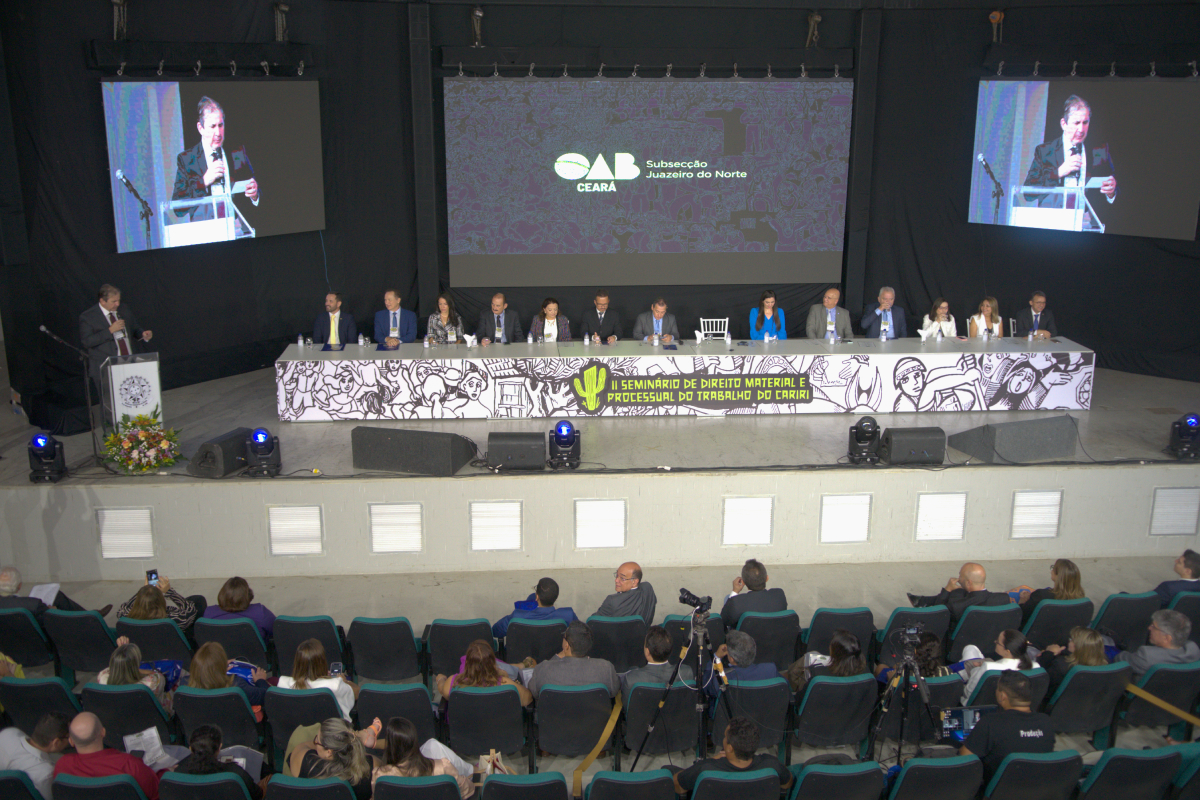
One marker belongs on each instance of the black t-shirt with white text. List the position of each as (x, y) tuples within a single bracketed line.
[(1005, 732), (687, 778)]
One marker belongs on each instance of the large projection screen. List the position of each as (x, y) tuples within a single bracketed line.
[(643, 182)]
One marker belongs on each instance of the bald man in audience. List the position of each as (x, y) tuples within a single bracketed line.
[(634, 597), (960, 593), (92, 759)]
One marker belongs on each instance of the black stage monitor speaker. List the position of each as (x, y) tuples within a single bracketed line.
[(913, 446), (1020, 442), (420, 452), (221, 456), (517, 450)]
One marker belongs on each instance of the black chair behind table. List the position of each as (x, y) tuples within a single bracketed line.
[(954, 778), (83, 641), (571, 719), (226, 708), (677, 725), (984, 693), (1086, 701), (484, 719), (126, 710), (776, 636), (384, 648), (25, 700), (862, 781), (680, 628), (766, 702), (537, 638), (944, 692), (288, 709), (446, 640), (620, 640), (931, 619), (430, 787), (290, 632), (1177, 684), (1188, 603), (157, 639), (545, 786), (240, 638), (1126, 618), (1052, 620), (837, 711), (980, 625), (221, 786), (24, 640), (1123, 774), (653, 784), (283, 787), (110, 787), (1036, 776), (820, 630), (409, 700), (757, 784)]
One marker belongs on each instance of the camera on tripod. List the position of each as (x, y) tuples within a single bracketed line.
[(701, 604), (910, 635)]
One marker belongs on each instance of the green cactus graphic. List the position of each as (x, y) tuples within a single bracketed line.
[(594, 380)]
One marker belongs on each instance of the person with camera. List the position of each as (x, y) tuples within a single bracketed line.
[(737, 657)]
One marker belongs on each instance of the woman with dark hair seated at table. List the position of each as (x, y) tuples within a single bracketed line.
[(549, 325), (236, 600), (767, 319), (445, 321)]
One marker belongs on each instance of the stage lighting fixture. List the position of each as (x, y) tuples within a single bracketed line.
[(262, 454), (864, 442), (564, 446), (46, 461), (1185, 437)]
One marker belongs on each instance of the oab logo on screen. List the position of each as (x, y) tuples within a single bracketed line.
[(596, 176)]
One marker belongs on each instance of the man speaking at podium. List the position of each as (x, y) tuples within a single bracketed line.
[(106, 331), (201, 171), (1064, 160)]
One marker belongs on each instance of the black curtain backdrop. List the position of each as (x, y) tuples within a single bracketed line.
[(224, 309)]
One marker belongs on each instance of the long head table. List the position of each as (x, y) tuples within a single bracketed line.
[(630, 378)]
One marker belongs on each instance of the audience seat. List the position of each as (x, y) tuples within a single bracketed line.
[(757, 784), (863, 781), (128, 709), (290, 632), (288, 709), (980, 625), (985, 691), (445, 642), (932, 619), (157, 639), (1186, 782), (1036, 776), (1188, 604), (409, 700), (227, 708), (677, 724), (571, 719), (767, 702), (1086, 701), (620, 640), (430, 787), (1125, 774), (24, 641), (283, 787), (480, 720), (1126, 618), (1052, 620), (110, 787), (240, 638), (83, 641), (1178, 684), (25, 700), (776, 636), (546, 786), (537, 638), (385, 648), (859, 621), (653, 784), (223, 786), (15, 785), (954, 778), (837, 711)]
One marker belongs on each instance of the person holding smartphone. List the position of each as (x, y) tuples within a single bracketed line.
[(157, 600), (310, 670)]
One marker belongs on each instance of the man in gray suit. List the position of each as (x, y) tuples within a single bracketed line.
[(1169, 643), (656, 320), (829, 313)]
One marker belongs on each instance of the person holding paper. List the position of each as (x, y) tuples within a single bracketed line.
[(656, 320), (394, 324), (602, 325), (10, 584), (92, 759), (767, 319), (202, 170), (106, 330), (829, 319), (1064, 161)]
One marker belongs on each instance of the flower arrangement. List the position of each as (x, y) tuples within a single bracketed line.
[(141, 444)]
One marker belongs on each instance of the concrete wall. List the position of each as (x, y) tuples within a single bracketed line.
[(217, 529)]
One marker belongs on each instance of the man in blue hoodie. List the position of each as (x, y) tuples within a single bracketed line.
[(539, 605)]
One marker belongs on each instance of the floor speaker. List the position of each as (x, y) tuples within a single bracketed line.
[(517, 450), (419, 452), (913, 446), (1047, 439), (221, 456)]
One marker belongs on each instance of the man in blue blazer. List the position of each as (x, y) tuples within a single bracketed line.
[(394, 324), (884, 315), (334, 319)]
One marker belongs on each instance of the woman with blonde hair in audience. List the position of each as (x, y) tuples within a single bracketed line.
[(1067, 585), (310, 670), (125, 668), (405, 756), (333, 750), (210, 670), (236, 601), (1085, 647), (1012, 648), (480, 669)]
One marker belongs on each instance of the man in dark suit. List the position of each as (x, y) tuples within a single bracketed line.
[(394, 324), (106, 330), (334, 326), (497, 325), (960, 593), (885, 315), (601, 325), (1063, 161), (820, 317), (201, 170), (656, 320), (757, 597), (656, 647), (1036, 318), (1187, 567), (10, 584)]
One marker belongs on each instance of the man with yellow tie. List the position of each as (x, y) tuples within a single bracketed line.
[(335, 326)]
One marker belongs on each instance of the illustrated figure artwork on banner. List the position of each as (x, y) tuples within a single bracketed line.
[(680, 385)]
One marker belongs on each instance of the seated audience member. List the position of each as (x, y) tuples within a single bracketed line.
[(497, 325), (960, 593), (394, 325), (333, 750), (310, 670), (539, 605), (1015, 728), (92, 759), (1013, 650), (480, 670), (737, 655), (549, 325), (203, 758), (10, 669), (737, 755), (656, 320), (445, 322), (1187, 567), (1085, 647), (757, 596), (572, 666), (33, 754), (927, 654), (1036, 318), (658, 669), (988, 319), (124, 668), (236, 601), (884, 316), (633, 598), (10, 584), (150, 602), (939, 316), (404, 756), (767, 318), (844, 660), (1067, 585), (210, 670), (1169, 643), (828, 318)]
